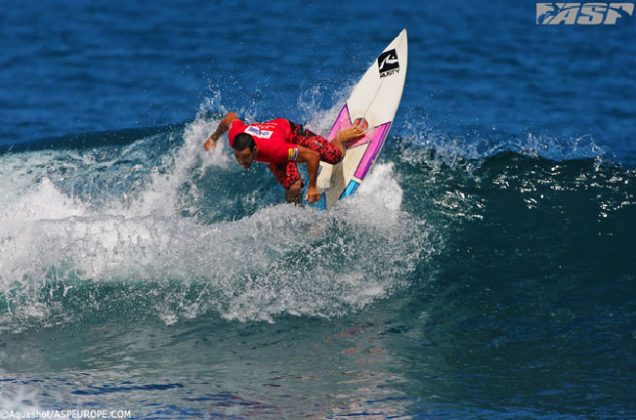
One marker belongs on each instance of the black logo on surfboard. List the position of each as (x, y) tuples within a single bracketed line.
[(388, 63)]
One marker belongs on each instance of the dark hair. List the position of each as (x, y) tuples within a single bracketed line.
[(243, 140)]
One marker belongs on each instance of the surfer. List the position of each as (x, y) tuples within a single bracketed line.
[(282, 144)]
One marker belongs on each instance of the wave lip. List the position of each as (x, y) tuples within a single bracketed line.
[(156, 228)]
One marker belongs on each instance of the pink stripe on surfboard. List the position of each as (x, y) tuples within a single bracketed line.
[(375, 138)]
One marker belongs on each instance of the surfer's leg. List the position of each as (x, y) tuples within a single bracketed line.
[(288, 176), (329, 152)]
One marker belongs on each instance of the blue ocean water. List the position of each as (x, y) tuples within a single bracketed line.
[(486, 269)]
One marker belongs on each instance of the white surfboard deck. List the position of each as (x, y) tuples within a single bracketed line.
[(376, 98)]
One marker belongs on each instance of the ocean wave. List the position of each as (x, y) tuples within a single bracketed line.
[(153, 227)]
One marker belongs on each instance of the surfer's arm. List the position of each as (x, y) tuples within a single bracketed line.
[(312, 159), (224, 125)]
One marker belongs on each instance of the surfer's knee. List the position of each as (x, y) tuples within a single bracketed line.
[(333, 156), (294, 192), (335, 152)]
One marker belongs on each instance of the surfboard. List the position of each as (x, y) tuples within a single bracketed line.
[(375, 98)]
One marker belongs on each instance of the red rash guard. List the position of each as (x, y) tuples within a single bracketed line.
[(273, 139)]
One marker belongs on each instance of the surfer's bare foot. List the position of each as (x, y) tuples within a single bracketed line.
[(349, 134), (358, 130)]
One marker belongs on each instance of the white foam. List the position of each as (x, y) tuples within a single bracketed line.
[(244, 269), (160, 196), (246, 264), (20, 400), (381, 188), (320, 120), (44, 201)]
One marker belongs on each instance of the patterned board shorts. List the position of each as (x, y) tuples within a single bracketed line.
[(287, 173)]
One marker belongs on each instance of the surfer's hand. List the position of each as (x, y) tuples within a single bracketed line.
[(312, 195), (210, 143)]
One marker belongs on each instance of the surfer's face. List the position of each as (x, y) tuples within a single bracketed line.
[(245, 157)]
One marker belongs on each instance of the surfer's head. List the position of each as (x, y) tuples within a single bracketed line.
[(244, 149)]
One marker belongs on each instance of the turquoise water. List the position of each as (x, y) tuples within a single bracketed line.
[(485, 269)]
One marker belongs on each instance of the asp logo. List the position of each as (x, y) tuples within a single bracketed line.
[(388, 63), (582, 13)]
